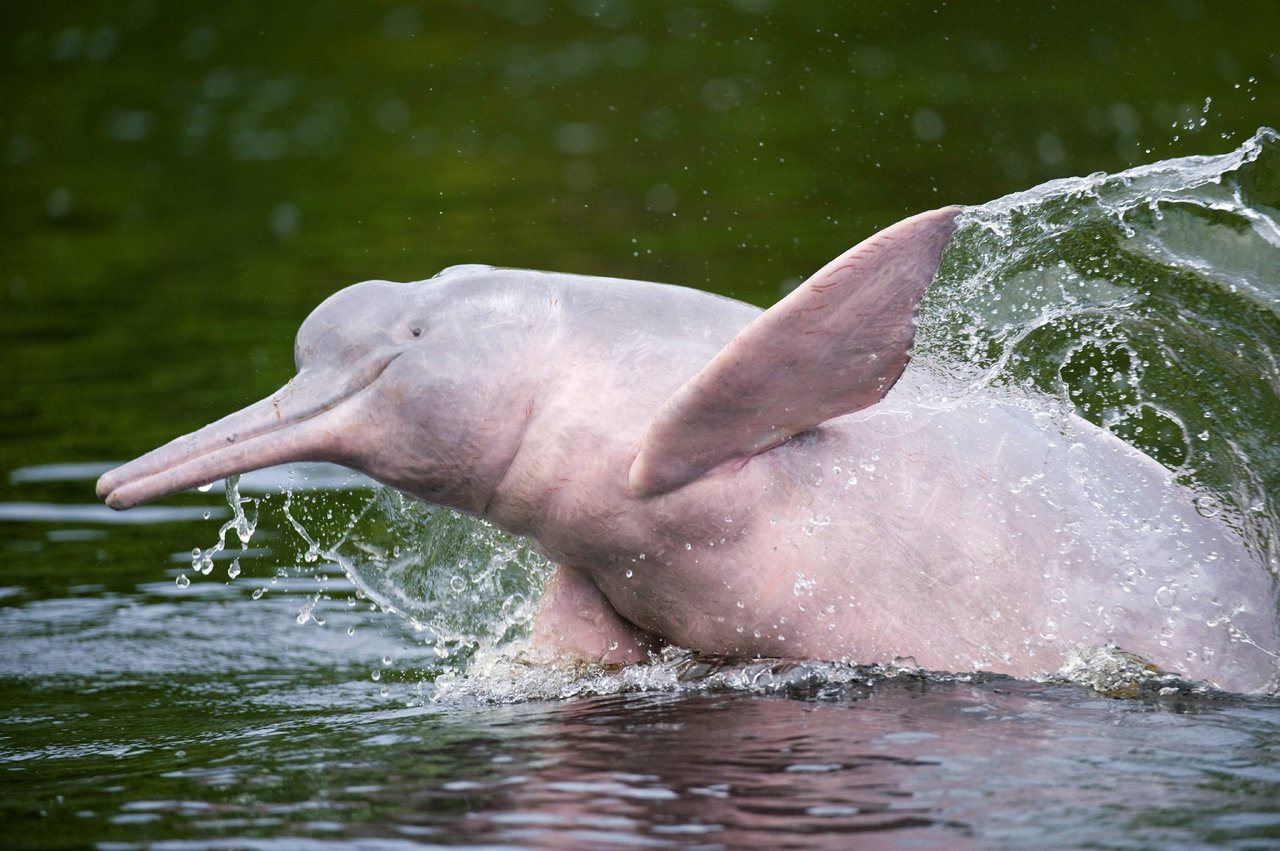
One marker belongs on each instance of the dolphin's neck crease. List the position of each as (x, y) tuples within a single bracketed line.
[(503, 477), (514, 497)]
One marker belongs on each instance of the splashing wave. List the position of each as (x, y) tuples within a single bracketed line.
[(1149, 302)]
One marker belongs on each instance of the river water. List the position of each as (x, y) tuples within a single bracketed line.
[(342, 668)]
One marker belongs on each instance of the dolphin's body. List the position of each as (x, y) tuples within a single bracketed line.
[(731, 481)]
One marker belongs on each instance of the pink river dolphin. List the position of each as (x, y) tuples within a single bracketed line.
[(743, 483)]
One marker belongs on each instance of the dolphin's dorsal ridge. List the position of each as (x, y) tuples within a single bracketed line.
[(834, 345), (463, 269)]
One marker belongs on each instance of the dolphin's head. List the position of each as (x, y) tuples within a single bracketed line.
[(424, 386)]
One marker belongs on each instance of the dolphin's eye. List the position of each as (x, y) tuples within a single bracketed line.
[(415, 331)]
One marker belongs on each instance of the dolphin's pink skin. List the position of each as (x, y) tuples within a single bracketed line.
[(737, 482)]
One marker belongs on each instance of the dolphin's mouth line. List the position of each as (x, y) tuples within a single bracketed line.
[(282, 423), (236, 441)]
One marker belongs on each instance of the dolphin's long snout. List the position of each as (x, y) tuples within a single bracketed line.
[(300, 422), (238, 443)]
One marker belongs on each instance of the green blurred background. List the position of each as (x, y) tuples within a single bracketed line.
[(182, 182)]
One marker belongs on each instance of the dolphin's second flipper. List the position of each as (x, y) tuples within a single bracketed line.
[(576, 623), (833, 346)]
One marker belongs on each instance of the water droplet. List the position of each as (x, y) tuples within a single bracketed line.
[(629, 573), (183, 581), (1165, 596), (258, 592), (351, 630), (376, 675), (458, 584), (205, 488), (233, 569)]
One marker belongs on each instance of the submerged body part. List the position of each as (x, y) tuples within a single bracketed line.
[(743, 483)]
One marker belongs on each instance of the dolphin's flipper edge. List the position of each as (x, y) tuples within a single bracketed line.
[(833, 346)]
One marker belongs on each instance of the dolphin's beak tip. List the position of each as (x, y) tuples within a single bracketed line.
[(118, 501), (107, 490)]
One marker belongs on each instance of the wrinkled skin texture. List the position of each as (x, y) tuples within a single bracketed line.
[(739, 483)]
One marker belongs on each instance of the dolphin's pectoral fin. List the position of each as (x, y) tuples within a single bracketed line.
[(833, 346), (576, 623)]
